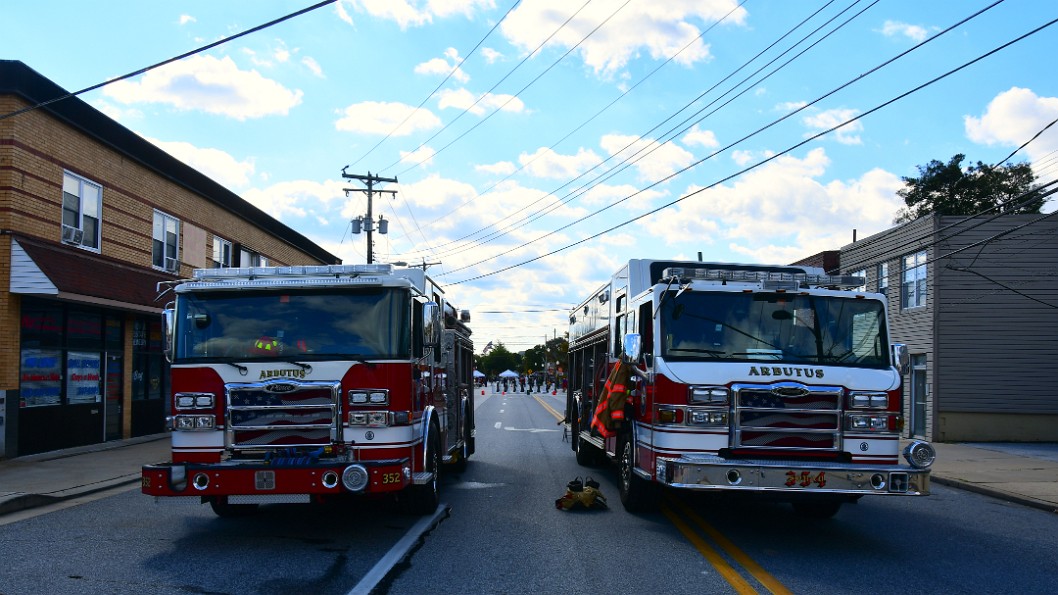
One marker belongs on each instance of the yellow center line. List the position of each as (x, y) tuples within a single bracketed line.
[(763, 576), (550, 409), (731, 575)]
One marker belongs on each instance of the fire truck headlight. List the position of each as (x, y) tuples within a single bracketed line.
[(354, 478), (704, 417), (868, 400), (194, 422), (358, 418), (378, 397), (867, 422), (378, 418), (919, 454), (708, 395), (357, 398), (194, 400), (669, 415)]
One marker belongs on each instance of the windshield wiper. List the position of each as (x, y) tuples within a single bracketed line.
[(242, 369)]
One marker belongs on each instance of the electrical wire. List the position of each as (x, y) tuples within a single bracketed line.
[(170, 60), (763, 161)]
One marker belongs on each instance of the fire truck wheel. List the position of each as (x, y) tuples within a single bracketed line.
[(221, 508), (817, 509), (587, 455), (423, 499), (637, 494)]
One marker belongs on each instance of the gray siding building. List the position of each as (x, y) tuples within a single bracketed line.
[(976, 301)]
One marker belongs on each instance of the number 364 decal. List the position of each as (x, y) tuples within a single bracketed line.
[(805, 479)]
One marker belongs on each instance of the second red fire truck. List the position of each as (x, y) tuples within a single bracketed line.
[(770, 380), (309, 383)]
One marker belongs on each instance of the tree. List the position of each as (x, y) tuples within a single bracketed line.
[(497, 360), (949, 189)]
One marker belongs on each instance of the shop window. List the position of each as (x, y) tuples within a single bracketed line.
[(84, 330), (149, 369), (165, 247), (41, 327), (82, 205), (249, 258)]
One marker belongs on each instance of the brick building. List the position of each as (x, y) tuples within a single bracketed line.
[(92, 218)]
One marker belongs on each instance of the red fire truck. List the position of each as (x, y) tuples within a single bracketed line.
[(771, 380), (307, 383)]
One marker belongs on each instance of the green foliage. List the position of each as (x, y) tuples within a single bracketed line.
[(498, 359), (950, 189)]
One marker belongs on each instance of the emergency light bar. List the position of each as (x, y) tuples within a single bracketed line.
[(748, 276), (331, 270)]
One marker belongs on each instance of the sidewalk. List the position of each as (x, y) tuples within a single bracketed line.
[(1025, 473)]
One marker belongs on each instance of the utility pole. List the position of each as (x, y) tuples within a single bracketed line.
[(368, 221)]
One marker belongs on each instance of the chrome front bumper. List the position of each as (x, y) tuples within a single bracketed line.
[(715, 473)]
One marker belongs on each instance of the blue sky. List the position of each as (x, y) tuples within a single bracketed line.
[(520, 170)]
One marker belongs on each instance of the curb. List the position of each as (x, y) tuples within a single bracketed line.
[(994, 493), (28, 501)]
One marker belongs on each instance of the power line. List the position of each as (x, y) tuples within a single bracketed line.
[(170, 60), (764, 161)]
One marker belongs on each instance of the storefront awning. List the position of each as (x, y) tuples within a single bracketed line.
[(69, 273)]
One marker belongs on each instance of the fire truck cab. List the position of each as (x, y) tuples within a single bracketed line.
[(771, 380), (308, 383)]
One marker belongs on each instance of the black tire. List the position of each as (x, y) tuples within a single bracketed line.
[(637, 494), (460, 466), (424, 499), (587, 454), (221, 508), (817, 508)]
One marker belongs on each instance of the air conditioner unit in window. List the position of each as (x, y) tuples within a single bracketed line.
[(72, 235), (172, 265)]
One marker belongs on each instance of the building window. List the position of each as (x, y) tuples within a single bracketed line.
[(165, 251), (249, 258), (862, 274), (913, 289), (81, 211), (221, 252), (883, 277)]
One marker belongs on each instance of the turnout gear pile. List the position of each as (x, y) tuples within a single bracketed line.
[(582, 496)]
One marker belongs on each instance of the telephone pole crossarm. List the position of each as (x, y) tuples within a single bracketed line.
[(369, 225)]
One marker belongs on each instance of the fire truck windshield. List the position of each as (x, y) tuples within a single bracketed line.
[(774, 327), (311, 324)]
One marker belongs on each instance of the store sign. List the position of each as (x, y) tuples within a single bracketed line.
[(82, 381), (41, 378)]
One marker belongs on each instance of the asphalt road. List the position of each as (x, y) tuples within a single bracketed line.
[(502, 534)]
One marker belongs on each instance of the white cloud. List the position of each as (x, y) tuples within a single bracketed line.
[(373, 117), (500, 168), (185, 19), (545, 163), (407, 14), (208, 84), (701, 138), (1013, 117), (422, 156), (442, 67), (653, 160), (491, 55), (313, 66), (297, 198), (660, 29), (465, 100), (781, 212), (912, 32), (825, 120), (218, 165)]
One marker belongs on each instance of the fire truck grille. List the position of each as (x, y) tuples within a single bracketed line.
[(282, 414), (787, 416)]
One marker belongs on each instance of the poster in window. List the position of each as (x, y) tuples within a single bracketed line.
[(41, 378), (82, 377)]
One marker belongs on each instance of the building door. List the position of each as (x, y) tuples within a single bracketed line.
[(113, 396), (918, 395)]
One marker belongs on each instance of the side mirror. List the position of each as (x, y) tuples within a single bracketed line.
[(168, 330), (901, 357), (431, 325), (633, 346)]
